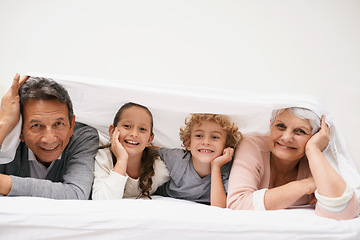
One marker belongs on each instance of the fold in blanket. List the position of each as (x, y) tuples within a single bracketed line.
[(97, 100)]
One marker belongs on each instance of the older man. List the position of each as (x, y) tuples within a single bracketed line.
[(55, 157)]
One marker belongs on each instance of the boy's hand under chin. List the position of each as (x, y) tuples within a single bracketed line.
[(223, 159)]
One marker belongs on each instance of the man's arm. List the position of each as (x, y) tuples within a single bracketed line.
[(5, 184), (10, 122), (10, 107)]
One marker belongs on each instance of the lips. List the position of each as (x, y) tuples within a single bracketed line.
[(131, 142), (47, 149), (205, 151), (284, 146)]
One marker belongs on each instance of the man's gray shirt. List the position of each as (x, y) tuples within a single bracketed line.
[(70, 177)]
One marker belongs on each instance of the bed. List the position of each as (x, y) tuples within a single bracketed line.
[(95, 103)]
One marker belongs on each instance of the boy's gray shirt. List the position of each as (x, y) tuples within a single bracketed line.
[(185, 183), (70, 177)]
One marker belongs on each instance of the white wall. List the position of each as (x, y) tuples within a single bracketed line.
[(307, 47)]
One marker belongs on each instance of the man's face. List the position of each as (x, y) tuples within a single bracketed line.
[(46, 128)]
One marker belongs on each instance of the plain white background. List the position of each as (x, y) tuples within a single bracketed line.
[(306, 47)]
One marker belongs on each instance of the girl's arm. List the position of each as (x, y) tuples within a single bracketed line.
[(217, 192), (109, 183), (120, 153)]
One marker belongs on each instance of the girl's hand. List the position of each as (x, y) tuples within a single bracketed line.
[(117, 148), (321, 139), (223, 159)]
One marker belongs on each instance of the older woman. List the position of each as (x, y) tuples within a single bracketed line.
[(287, 168)]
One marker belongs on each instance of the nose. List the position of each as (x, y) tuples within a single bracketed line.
[(134, 132), (287, 136), (206, 141), (48, 136)]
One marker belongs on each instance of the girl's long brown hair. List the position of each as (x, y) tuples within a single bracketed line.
[(148, 157)]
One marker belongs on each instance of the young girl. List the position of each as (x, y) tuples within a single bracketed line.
[(200, 171), (129, 166)]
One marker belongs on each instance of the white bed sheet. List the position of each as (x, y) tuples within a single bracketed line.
[(95, 103), (160, 218)]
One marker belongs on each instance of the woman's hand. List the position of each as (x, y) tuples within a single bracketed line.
[(223, 159), (309, 184), (319, 140)]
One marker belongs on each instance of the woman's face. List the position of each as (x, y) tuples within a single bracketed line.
[(288, 136)]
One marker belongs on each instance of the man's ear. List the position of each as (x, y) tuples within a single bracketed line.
[(111, 130), (72, 124), (22, 136)]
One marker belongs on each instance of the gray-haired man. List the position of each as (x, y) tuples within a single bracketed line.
[(55, 158)]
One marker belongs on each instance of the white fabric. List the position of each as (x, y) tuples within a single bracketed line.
[(258, 199), (10, 143), (160, 218), (335, 204)]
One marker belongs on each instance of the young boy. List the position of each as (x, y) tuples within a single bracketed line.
[(200, 171)]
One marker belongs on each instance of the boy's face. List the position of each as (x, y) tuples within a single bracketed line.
[(207, 141)]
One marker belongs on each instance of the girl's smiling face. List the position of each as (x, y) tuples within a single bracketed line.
[(135, 130), (288, 136)]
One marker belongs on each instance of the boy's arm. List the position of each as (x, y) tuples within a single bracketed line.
[(217, 192)]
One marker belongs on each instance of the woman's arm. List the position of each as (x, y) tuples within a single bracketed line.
[(217, 192), (328, 182), (335, 198), (247, 173), (284, 196)]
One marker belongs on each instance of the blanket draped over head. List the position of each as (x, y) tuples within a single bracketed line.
[(97, 100)]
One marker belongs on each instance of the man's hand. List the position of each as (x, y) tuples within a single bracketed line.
[(10, 107), (5, 184)]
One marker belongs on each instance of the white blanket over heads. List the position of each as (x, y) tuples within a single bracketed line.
[(97, 100)]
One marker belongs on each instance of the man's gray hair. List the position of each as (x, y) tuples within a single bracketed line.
[(40, 88), (302, 113)]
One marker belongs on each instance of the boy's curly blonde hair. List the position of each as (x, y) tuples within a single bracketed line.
[(232, 131)]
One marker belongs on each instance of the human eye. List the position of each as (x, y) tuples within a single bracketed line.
[(59, 123), (215, 137), (281, 126), (198, 135), (142, 129), (126, 126), (300, 131), (35, 125)]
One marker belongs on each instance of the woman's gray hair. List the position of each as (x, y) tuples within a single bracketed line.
[(40, 88), (302, 113)]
